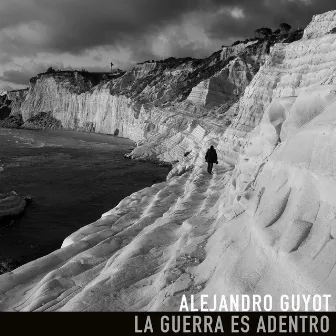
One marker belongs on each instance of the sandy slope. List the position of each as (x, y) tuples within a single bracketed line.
[(136, 251), (264, 223)]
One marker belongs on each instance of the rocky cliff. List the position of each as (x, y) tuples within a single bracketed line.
[(10, 108), (151, 98), (264, 223)]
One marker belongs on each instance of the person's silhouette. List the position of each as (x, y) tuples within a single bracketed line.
[(211, 158)]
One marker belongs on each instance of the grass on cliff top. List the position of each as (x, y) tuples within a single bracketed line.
[(94, 77)]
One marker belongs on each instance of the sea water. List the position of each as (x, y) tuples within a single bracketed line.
[(72, 177)]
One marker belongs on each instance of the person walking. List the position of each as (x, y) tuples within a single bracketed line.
[(211, 158)]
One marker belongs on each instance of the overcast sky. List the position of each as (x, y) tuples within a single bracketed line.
[(36, 34)]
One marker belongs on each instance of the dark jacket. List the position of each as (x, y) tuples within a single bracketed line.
[(211, 155)]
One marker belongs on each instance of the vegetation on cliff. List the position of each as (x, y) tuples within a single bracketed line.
[(43, 120), (164, 84), (78, 81)]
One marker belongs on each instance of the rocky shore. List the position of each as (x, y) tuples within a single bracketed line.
[(11, 205)]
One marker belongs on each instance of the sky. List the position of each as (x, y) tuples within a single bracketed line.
[(90, 34)]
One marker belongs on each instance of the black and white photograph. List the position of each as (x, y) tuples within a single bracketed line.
[(170, 156)]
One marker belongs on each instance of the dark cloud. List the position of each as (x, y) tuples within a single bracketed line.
[(15, 77), (5, 58), (5, 87), (22, 76), (267, 13), (32, 27), (77, 25)]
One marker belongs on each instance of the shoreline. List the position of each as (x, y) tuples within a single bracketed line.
[(65, 130), (153, 176), (132, 144)]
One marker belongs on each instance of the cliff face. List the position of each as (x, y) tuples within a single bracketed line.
[(225, 86), (264, 223), (154, 100), (296, 83), (150, 98), (10, 108)]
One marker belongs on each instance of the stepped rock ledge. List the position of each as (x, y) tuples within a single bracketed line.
[(264, 223)]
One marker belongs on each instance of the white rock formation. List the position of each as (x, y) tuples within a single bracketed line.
[(152, 97), (225, 86), (264, 223), (229, 51), (16, 97)]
